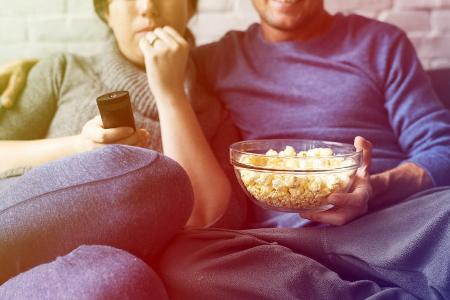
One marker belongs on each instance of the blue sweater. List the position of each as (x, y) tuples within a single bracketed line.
[(362, 77)]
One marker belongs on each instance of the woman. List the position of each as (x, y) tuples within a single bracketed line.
[(55, 118)]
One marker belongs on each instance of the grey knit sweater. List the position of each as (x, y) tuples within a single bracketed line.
[(61, 90)]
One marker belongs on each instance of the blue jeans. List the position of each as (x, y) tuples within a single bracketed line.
[(400, 252), (125, 197), (88, 273)]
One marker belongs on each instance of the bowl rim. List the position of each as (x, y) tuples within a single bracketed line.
[(295, 171), (356, 153)]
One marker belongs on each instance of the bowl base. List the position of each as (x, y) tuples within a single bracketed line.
[(295, 210)]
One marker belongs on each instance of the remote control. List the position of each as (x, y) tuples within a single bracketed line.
[(115, 110)]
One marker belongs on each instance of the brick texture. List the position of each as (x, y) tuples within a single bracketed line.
[(35, 28)]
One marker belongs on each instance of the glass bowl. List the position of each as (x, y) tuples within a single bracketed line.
[(294, 175)]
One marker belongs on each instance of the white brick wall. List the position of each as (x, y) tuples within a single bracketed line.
[(33, 28)]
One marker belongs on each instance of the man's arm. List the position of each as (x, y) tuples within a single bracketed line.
[(419, 120), (398, 183), (422, 125)]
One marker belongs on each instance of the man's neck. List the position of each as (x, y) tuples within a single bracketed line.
[(314, 28)]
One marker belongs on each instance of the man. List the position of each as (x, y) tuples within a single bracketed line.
[(302, 73)]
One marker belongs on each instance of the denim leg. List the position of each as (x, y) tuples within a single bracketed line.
[(126, 197), (89, 272), (4, 184), (227, 264), (400, 252)]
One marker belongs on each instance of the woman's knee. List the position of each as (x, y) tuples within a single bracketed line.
[(123, 164), (89, 272), (122, 173), (146, 169), (127, 197)]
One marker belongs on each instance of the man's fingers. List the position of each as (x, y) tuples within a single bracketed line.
[(357, 198), (333, 216), (361, 144)]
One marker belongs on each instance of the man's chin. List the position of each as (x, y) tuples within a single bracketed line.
[(283, 24)]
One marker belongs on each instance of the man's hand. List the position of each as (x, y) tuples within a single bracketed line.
[(349, 206), (95, 136), (13, 77)]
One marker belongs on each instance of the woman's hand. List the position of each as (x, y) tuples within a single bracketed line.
[(166, 54), (13, 78), (349, 206), (95, 136)]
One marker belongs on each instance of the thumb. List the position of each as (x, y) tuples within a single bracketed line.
[(144, 137), (361, 144)]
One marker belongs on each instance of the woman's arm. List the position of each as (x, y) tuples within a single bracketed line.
[(24, 126), (182, 138), (32, 153), (16, 154)]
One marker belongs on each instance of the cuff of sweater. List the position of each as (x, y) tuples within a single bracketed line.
[(435, 167)]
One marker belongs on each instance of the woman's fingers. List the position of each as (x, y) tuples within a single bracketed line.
[(156, 43), (162, 38), (175, 35), (94, 131), (140, 138), (166, 38), (109, 136)]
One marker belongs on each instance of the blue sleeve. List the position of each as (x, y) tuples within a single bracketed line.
[(418, 118)]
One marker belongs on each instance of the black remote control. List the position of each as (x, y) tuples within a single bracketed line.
[(115, 110)]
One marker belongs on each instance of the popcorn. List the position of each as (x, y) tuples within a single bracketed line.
[(294, 190)]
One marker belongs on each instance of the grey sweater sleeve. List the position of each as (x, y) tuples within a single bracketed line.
[(33, 112)]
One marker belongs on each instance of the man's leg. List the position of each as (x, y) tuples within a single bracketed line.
[(125, 197), (398, 253), (89, 272), (406, 244)]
